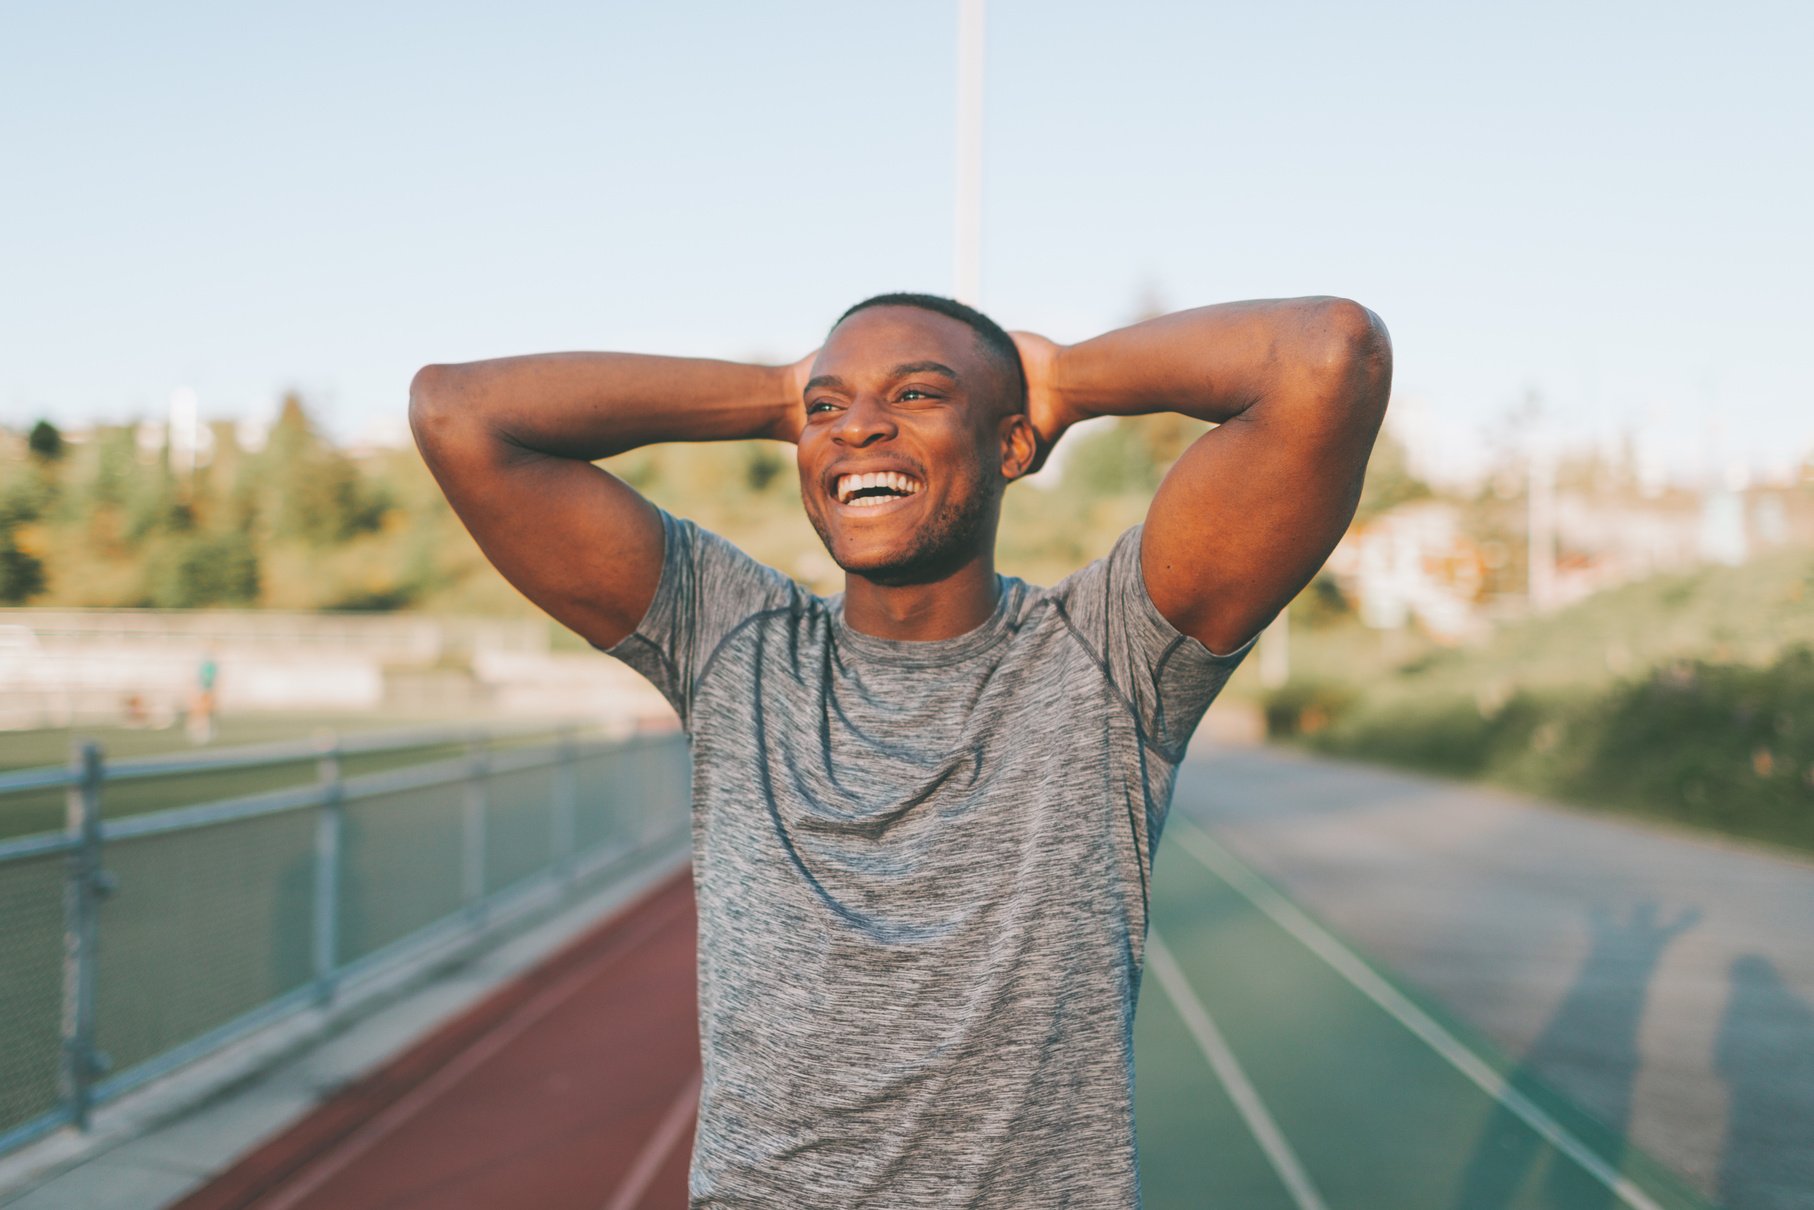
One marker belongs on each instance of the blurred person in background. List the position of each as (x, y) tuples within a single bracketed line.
[(925, 808), (199, 720)]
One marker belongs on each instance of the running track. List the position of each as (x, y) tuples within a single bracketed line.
[(1278, 1069), (573, 1087)]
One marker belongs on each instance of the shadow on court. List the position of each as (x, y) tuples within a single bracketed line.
[(1594, 1030), (1765, 1055)]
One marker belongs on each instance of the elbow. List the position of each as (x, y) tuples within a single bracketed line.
[(1352, 353), (430, 389), (437, 396), (434, 404)]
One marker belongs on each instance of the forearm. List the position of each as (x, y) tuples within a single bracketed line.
[(1215, 362), (593, 405)]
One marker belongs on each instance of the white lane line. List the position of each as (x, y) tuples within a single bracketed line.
[(1253, 1111), (668, 1132), (350, 1147), (1232, 870)]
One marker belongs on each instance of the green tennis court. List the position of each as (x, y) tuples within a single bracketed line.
[(1277, 1067)]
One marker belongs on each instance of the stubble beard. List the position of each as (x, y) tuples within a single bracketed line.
[(946, 541)]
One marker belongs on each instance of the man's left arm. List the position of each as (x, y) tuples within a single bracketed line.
[(1297, 388)]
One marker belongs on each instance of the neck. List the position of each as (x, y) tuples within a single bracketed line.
[(941, 609)]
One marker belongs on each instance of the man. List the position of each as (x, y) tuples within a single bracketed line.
[(924, 809)]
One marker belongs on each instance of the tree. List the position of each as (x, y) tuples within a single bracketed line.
[(21, 573), (45, 441), (314, 493), (1390, 481), (204, 569)]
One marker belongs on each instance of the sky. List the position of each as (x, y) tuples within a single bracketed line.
[(1598, 213)]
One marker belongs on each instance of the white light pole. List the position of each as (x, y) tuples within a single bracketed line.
[(183, 437), (967, 245)]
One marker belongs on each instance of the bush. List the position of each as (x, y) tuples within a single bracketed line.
[(45, 441), (193, 570), (21, 573), (1307, 707), (1724, 746)]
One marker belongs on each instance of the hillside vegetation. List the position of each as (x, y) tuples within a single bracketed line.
[(1687, 698)]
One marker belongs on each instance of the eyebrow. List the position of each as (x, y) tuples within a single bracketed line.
[(900, 371)]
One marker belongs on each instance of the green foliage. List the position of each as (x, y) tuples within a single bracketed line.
[(21, 573), (1688, 698), (1321, 604), (27, 494), (151, 503), (1304, 706), (1728, 747), (1724, 746), (308, 490), (45, 441), (1131, 454), (191, 570), (115, 464), (762, 466), (1390, 481)]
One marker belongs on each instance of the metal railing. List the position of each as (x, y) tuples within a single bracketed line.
[(131, 946)]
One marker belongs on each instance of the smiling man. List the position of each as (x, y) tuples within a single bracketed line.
[(924, 809)]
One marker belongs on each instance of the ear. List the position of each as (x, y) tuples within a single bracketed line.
[(1019, 446)]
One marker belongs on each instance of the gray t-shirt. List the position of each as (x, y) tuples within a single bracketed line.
[(921, 871)]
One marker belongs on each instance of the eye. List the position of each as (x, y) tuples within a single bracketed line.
[(818, 404), (915, 391)]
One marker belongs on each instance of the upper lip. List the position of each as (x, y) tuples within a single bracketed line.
[(838, 471)]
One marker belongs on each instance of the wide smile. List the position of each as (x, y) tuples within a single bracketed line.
[(875, 493)]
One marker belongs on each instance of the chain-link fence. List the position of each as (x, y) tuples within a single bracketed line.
[(134, 945)]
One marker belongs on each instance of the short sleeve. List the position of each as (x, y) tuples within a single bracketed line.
[(707, 589), (1167, 678)]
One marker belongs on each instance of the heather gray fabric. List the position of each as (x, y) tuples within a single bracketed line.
[(921, 870)]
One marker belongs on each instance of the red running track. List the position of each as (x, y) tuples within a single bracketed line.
[(573, 1086)]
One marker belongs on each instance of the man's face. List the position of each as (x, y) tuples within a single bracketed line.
[(901, 454)]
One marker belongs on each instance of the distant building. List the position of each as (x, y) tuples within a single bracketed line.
[(1414, 562)]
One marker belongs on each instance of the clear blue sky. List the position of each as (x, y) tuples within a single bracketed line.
[(1607, 203)]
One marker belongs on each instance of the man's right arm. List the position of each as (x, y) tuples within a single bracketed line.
[(512, 440)]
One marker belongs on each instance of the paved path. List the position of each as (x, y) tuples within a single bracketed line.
[(1660, 980)]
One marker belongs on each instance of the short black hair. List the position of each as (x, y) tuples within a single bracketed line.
[(994, 339)]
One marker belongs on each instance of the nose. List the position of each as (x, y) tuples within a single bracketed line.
[(864, 422)]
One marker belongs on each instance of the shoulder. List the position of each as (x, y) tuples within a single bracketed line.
[(719, 564), (1114, 574), (708, 587), (1108, 601)]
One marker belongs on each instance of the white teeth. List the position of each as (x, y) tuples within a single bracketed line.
[(849, 485)]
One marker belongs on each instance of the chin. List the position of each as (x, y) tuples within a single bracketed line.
[(919, 553), (872, 559), (895, 565)]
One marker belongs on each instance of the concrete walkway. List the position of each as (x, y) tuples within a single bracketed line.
[(1661, 979)]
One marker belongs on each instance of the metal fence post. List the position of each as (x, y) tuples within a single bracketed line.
[(330, 826), (477, 795), (564, 835), (83, 887)]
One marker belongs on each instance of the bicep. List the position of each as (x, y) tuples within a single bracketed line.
[(1247, 516), (576, 540)]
